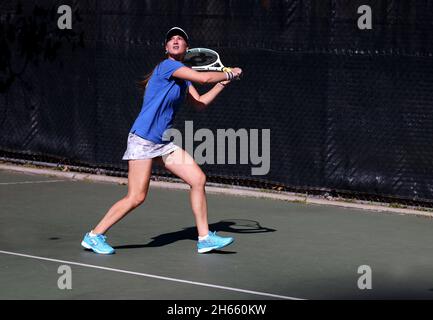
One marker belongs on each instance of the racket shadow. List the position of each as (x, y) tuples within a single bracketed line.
[(231, 226)]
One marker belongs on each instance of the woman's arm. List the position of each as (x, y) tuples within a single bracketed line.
[(186, 73), (200, 102)]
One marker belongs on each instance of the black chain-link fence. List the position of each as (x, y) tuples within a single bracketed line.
[(350, 111)]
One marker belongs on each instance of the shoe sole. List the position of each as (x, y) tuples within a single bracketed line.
[(85, 245), (213, 248), (207, 249)]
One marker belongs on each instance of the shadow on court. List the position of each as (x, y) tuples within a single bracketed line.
[(235, 226)]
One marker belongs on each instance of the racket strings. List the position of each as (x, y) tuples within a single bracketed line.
[(201, 58)]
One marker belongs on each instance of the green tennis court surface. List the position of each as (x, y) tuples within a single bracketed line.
[(282, 250)]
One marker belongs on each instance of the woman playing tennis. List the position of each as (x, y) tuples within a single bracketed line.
[(166, 89)]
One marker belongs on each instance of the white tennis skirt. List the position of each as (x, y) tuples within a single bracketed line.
[(139, 148)]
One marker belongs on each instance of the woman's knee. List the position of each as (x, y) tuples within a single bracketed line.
[(199, 181), (136, 199)]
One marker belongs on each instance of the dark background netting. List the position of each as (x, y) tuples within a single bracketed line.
[(350, 111)]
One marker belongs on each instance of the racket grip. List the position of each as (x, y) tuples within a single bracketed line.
[(227, 69)]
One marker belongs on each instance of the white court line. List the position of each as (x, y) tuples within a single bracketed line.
[(152, 276), (30, 182)]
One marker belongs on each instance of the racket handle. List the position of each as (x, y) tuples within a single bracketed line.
[(227, 69)]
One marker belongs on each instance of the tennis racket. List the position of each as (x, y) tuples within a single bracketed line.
[(203, 59)]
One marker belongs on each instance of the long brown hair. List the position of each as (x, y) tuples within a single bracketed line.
[(143, 83)]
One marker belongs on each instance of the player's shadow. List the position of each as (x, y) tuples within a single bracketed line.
[(190, 233)]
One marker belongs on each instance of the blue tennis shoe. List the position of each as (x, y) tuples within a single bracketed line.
[(97, 243), (213, 242)]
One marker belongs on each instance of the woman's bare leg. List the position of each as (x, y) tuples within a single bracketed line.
[(181, 164), (139, 172)]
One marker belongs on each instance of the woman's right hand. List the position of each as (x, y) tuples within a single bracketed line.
[(237, 72)]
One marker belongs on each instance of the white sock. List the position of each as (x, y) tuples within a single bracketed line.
[(92, 234), (203, 238)]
